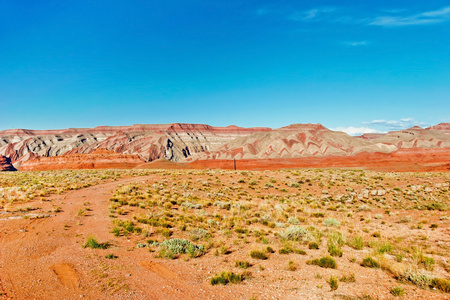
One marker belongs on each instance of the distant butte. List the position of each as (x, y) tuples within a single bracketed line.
[(201, 145)]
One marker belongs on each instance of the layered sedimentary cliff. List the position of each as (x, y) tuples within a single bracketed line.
[(5, 164), (133, 145)]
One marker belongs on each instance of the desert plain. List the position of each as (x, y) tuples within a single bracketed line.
[(224, 234)]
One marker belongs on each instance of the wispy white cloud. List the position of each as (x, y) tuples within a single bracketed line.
[(380, 126), (388, 18), (428, 17), (350, 130), (395, 124), (357, 43), (312, 15)]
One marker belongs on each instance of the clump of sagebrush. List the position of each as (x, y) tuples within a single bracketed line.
[(296, 233), (92, 243), (173, 247), (225, 278), (324, 262), (198, 233), (332, 222)]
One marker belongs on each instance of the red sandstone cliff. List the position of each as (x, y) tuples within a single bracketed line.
[(5, 164), (99, 159), (129, 145)]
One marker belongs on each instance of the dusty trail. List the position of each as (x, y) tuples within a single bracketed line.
[(44, 258)]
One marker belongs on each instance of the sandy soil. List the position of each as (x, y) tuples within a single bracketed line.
[(43, 258)]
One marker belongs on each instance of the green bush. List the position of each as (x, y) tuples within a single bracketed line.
[(296, 233), (369, 262), (180, 246), (332, 222), (334, 250), (356, 243), (397, 291), (243, 264), (92, 243), (324, 262), (258, 254), (225, 278), (313, 245), (333, 283)]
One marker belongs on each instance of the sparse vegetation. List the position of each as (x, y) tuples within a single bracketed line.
[(369, 262), (228, 215), (226, 278), (93, 244), (324, 262)]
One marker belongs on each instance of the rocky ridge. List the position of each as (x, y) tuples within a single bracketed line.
[(78, 147), (5, 164)]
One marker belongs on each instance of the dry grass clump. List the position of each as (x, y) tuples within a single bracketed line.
[(22, 187)]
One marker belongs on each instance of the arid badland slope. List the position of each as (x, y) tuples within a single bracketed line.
[(298, 145)]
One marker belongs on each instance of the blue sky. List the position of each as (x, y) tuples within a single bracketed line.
[(358, 66)]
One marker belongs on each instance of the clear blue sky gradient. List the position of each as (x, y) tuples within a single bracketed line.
[(373, 65)]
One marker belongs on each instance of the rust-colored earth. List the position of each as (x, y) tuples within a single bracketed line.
[(43, 258)]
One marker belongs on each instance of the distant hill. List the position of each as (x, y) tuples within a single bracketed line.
[(187, 143)]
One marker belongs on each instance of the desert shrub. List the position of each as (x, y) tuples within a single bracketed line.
[(285, 250), (436, 206), (296, 233), (116, 231), (313, 245), (179, 246), (226, 278), (243, 264), (198, 233), (369, 262), (223, 205), (334, 250), (111, 256), (384, 247), (333, 283), (417, 278), (300, 251), (428, 263), (332, 222), (441, 284), (324, 262), (356, 243), (318, 215), (192, 205), (406, 219), (293, 221), (291, 266), (348, 278), (425, 261), (336, 237), (258, 254), (397, 291), (92, 243), (269, 250)]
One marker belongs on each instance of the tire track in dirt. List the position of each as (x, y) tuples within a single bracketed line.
[(44, 258)]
